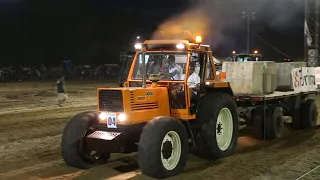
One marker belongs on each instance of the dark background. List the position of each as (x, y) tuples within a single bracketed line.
[(95, 31)]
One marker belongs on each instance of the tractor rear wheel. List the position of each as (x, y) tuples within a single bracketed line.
[(217, 121), (309, 113)]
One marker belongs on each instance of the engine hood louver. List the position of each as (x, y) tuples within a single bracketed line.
[(143, 105)]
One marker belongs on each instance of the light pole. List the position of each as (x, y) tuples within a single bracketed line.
[(248, 17)]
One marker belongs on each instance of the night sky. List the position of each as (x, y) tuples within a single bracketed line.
[(96, 31)]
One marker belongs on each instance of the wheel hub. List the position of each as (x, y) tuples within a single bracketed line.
[(170, 150), (224, 129), (219, 128), (167, 149)]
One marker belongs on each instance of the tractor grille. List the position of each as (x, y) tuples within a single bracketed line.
[(142, 106), (110, 100)]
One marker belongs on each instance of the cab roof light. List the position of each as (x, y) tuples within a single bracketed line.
[(199, 39)]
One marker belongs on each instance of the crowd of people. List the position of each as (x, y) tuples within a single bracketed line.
[(13, 74)]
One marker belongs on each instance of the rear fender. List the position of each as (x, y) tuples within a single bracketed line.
[(226, 90)]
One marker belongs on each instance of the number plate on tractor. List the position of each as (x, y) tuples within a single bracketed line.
[(112, 123)]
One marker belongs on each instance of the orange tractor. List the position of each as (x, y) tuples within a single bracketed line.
[(164, 110)]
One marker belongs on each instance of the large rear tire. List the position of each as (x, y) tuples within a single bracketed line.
[(271, 127), (296, 118), (163, 148), (305, 116), (72, 139), (309, 113), (217, 118)]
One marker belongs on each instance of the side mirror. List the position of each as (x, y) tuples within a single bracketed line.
[(125, 68)]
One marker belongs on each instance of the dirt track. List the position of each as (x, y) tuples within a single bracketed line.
[(31, 124)]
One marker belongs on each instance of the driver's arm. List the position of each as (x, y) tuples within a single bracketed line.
[(197, 88), (173, 72), (195, 83)]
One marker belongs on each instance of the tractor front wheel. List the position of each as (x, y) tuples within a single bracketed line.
[(163, 148), (72, 141)]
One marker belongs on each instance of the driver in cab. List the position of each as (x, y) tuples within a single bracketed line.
[(175, 70), (193, 81)]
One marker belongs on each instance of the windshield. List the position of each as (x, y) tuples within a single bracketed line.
[(246, 58), (243, 58), (169, 66)]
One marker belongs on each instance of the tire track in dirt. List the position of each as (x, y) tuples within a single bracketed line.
[(51, 127), (46, 106), (295, 167), (33, 137), (58, 170), (36, 115), (311, 175), (34, 125), (24, 153), (274, 155), (31, 123), (245, 164)]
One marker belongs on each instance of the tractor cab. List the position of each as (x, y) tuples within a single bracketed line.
[(184, 67), (246, 57)]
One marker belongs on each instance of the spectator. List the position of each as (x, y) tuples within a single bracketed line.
[(62, 95)]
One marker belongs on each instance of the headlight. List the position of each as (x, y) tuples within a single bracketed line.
[(103, 116), (122, 117), (138, 46), (180, 46)]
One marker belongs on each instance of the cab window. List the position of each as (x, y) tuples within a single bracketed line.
[(209, 70), (171, 65)]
